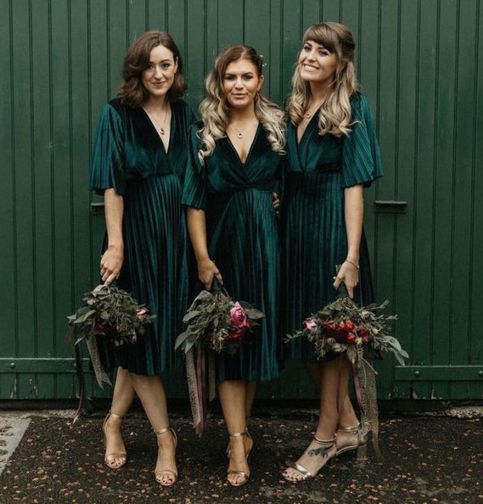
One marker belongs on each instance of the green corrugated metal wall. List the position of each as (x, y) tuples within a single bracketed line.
[(419, 61)]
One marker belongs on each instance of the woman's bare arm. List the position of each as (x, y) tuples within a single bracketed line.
[(197, 230), (113, 258), (354, 216)]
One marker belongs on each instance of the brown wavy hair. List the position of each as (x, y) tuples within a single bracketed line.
[(132, 92), (335, 114)]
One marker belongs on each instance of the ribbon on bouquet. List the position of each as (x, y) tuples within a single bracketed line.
[(366, 393), (101, 375), (198, 359)]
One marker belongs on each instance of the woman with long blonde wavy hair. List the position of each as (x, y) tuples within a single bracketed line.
[(332, 155), (235, 163)]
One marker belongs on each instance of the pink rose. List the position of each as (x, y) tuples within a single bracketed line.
[(310, 325), (238, 316), (141, 312)]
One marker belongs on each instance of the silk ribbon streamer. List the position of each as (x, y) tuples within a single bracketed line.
[(196, 407), (197, 362), (101, 375), (366, 393), (200, 385)]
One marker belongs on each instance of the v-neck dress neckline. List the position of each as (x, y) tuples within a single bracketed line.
[(232, 145), (304, 134), (167, 150)]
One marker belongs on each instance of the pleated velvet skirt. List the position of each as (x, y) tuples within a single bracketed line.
[(155, 272), (244, 242), (314, 242)]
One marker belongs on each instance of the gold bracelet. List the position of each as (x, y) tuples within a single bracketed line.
[(353, 263)]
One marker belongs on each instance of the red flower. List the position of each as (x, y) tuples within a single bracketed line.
[(350, 325), (236, 334), (99, 328), (351, 337)]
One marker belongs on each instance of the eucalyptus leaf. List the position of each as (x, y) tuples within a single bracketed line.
[(191, 315), (84, 317)]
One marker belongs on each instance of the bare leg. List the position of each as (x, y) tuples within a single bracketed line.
[(251, 391), (122, 398), (150, 391), (348, 417), (233, 399), (316, 456)]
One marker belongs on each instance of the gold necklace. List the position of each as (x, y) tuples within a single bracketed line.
[(156, 124), (240, 133), (309, 113)]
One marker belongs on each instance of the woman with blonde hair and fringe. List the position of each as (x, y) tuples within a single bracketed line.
[(332, 155), (235, 163)]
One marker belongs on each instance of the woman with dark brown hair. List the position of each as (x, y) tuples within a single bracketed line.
[(138, 162)]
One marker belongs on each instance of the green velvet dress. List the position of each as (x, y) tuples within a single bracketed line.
[(314, 232), (130, 157), (243, 240)]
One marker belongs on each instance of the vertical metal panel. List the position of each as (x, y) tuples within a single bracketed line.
[(407, 168), (463, 194), (8, 293), (42, 199), (476, 294), (418, 61)]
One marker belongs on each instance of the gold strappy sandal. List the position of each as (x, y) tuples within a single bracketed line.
[(245, 475), (158, 474), (360, 446), (108, 457), (325, 446)]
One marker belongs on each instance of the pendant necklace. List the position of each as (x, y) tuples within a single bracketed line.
[(309, 113), (239, 133), (160, 128)]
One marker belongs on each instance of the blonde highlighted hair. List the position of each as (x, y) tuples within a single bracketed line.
[(215, 110), (335, 114)]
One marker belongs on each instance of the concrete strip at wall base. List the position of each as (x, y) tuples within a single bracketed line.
[(12, 430)]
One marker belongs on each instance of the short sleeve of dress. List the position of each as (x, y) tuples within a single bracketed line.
[(361, 157), (194, 187), (107, 168)]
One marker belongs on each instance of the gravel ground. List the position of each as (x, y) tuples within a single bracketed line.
[(426, 460)]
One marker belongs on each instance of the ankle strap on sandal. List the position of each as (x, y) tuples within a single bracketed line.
[(351, 430), (115, 415), (239, 434), (324, 442), (163, 431)]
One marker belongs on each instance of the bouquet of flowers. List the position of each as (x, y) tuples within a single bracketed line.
[(110, 312), (342, 326), (106, 312), (214, 323), (362, 333)]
